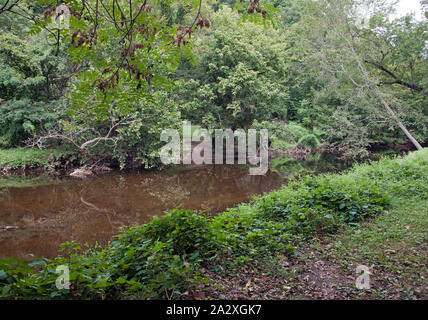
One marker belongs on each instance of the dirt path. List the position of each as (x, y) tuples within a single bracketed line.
[(309, 275)]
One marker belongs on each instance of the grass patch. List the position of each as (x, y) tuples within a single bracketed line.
[(391, 240), (31, 157), (394, 245)]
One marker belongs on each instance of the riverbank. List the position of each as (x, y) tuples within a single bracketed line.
[(60, 161), (302, 241), (64, 161), (33, 160), (393, 246)]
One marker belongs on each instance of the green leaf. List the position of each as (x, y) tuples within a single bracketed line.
[(5, 290), (3, 275)]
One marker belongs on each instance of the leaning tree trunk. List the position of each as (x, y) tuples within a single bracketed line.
[(401, 125)]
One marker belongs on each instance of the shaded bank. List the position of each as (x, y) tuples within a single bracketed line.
[(63, 161)]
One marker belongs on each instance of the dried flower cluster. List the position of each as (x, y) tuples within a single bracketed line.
[(203, 22), (143, 7), (84, 38), (133, 69), (130, 51), (255, 7), (103, 84), (49, 12), (146, 31), (183, 31)]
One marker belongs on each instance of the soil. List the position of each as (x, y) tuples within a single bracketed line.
[(306, 276)]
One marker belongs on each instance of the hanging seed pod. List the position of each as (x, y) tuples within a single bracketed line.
[(123, 53), (117, 77), (139, 45), (200, 22), (83, 39), (93, 35), (207, 23), (148, 78), (189, 31), (179, 39), (138, 9), (102, 84)]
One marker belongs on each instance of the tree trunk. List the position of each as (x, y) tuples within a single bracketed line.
[(401, 125)]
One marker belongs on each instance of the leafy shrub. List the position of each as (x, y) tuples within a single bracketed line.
[(148, 261), (32, 80), (242, 233), (187, 231), (309, 141), (20, 118), (240, 77), (163, 255), (37, 280), (12, 271), (321, 203)]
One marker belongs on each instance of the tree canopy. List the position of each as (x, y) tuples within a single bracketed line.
[(107, 76)]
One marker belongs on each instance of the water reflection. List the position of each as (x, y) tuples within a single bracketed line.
[(50, 211), (92, 210)]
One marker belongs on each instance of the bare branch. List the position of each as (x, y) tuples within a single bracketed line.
[(74, 137), (8, 6)]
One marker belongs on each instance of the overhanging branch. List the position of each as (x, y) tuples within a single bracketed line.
[(396, 79)]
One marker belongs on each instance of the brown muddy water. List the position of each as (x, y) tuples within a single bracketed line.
[(92, 210), (41, 213)]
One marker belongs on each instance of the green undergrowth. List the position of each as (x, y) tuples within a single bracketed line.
[(163, 258), (32, 157), (393, 244)]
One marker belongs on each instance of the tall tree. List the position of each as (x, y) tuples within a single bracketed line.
[(354, 49), (240, 76)]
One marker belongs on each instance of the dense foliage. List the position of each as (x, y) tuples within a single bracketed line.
[(360, 64), (108, 78), (32, 83), (99, 80), (240, 76)]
